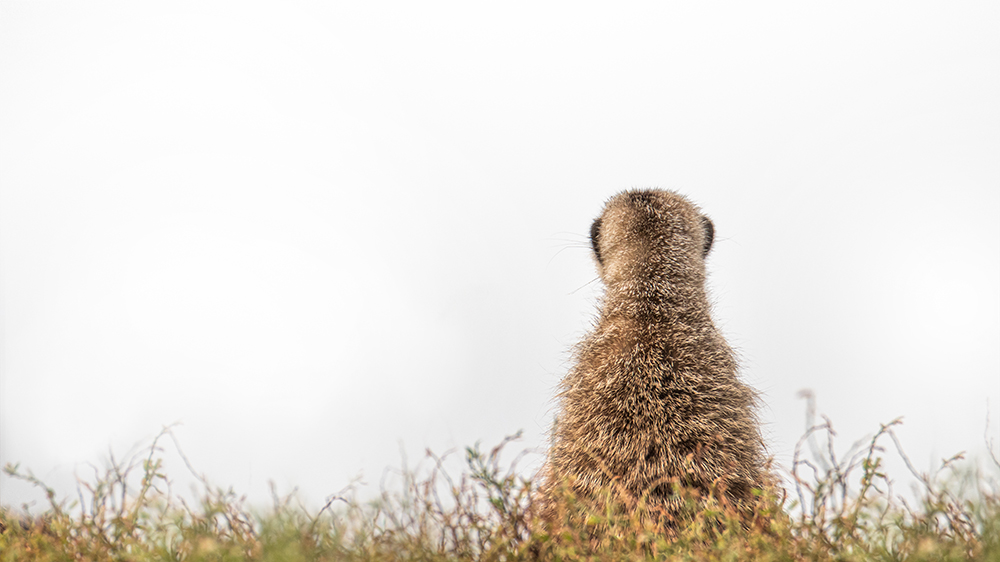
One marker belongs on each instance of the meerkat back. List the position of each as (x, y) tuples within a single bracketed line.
[(653, 403)]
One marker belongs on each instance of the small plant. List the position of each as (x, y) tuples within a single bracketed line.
[(838, 508)]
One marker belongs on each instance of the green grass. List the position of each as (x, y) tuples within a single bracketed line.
[(835, 509)]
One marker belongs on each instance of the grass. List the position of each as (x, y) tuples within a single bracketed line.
[(836, 508)]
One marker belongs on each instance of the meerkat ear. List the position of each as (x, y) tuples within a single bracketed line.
[(706, 223), (595, 239)]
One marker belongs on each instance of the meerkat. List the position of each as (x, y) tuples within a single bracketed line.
[(654, 403)]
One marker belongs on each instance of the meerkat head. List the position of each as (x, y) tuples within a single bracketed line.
[(652, 234)]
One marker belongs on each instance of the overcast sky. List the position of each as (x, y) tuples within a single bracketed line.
[(320, 233)]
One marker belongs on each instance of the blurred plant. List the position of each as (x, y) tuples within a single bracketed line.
[(840, 508)]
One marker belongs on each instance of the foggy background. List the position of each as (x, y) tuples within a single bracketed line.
[(320, 235)]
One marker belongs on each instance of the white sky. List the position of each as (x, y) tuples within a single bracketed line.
[(319, 233)]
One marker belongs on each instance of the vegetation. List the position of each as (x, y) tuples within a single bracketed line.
[(837, 508)]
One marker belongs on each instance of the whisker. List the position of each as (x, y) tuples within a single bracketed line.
[(584, 285), (564, 248)]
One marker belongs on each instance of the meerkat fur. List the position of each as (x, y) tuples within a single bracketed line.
[(654, 403)]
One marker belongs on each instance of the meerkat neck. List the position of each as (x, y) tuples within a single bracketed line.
[(655, 302)]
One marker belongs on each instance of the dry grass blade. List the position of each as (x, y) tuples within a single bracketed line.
[(845, 509)]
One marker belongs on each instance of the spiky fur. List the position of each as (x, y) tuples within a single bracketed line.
[(654, 403)]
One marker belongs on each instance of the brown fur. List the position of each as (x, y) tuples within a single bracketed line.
[(654, 404)]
